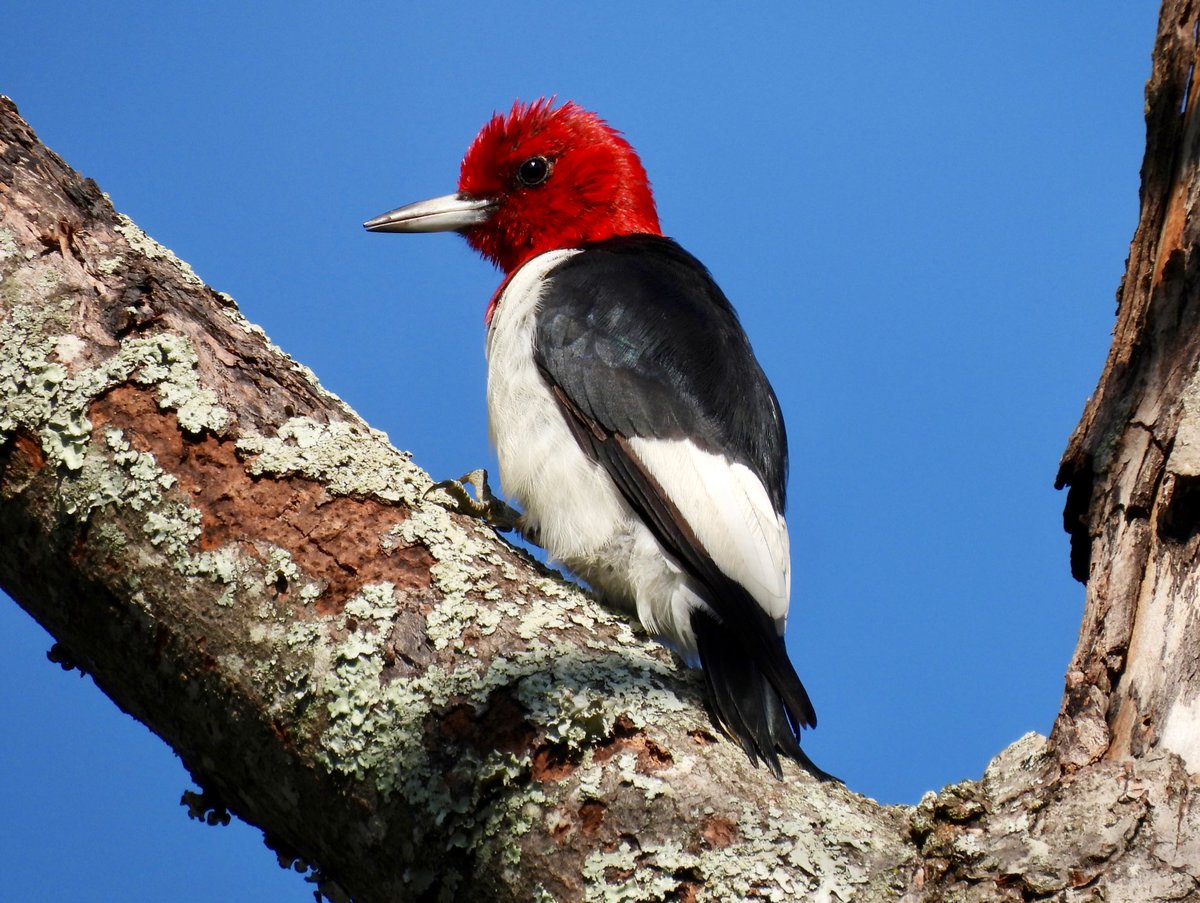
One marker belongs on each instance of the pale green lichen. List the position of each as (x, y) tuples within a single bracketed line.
[(358, 717), (455, 573), (33, 384), (145, 482), (167, 362), (245, 576), (46, 391), (591, 778), (144, 245), (280, 566), (8, 246), (173, 529), (641, 884), (776, 856), (652, 787), (347, 459), (42, 396), (576, 698), (225, 566), (107, 266)]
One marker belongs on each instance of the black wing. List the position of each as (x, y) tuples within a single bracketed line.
[(635, 339), (641, 338)]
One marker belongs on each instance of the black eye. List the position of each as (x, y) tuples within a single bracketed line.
[(533, 171)]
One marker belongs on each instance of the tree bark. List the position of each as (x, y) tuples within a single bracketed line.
[(1133, 462), (421, 711)]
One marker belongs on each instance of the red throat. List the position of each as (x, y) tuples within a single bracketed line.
[(596, 187)]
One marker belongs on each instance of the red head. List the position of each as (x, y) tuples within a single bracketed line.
[(560, 177), (538, 179)]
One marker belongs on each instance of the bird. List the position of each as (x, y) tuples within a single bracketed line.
[(631, 420)]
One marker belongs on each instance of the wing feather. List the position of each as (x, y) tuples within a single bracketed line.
[(658, 383)]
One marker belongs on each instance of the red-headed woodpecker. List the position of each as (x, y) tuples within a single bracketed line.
[(630, 417)]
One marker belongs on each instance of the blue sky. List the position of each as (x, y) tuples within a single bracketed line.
[(921, 213)]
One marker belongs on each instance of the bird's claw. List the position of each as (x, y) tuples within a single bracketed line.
[(486, 505)]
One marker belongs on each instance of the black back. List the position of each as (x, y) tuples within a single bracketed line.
[(643, 341)]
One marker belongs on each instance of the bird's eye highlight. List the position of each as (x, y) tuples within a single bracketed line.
[(533, 171)]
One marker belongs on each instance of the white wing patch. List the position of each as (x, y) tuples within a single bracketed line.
[(731, 514)]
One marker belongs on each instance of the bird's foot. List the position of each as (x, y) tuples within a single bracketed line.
[(486, 505)]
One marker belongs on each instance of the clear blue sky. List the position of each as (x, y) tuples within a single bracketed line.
[(921, 212)]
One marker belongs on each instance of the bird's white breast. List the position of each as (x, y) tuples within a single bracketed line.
[(567, 497)]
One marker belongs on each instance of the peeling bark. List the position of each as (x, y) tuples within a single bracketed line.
[(402, 699), (1133, 463)]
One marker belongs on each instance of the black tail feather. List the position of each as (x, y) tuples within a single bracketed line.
[(729, 715), (745, 698)]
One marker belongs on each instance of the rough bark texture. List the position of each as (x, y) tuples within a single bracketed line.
[(400, 698), (1133, 463)]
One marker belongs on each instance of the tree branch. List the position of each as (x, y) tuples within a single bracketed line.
[(386, 689)]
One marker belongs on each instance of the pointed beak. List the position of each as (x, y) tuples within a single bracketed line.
[(449, 213)]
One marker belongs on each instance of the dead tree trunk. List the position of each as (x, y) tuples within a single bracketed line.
[(392, 693), (1133, 463)]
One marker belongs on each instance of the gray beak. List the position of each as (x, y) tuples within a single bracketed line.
[(449, 213)]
